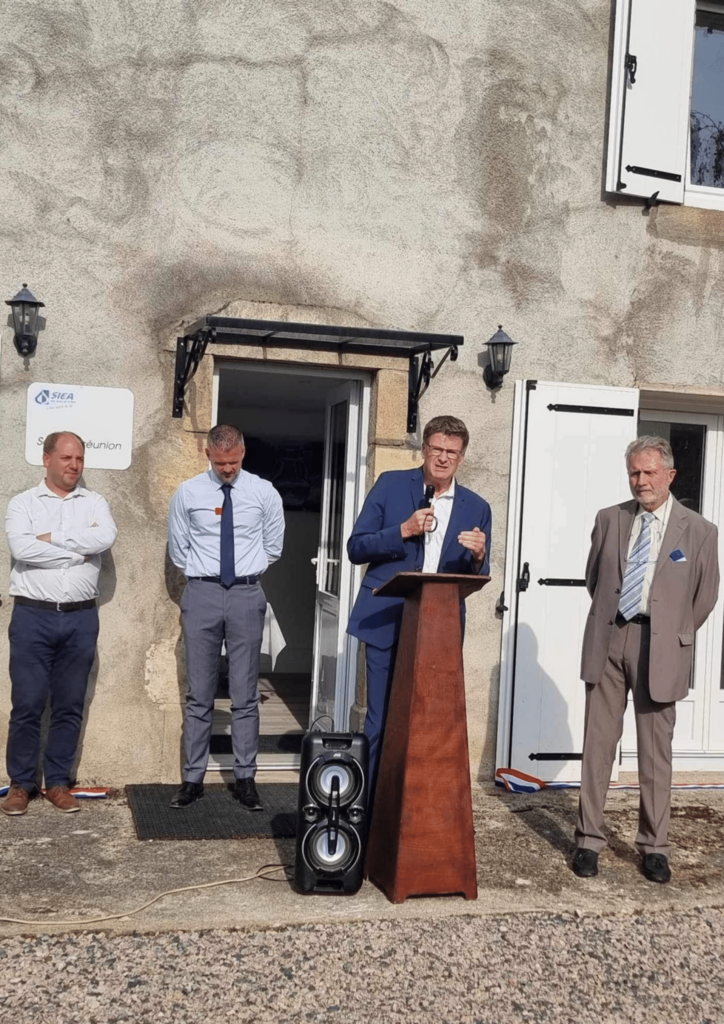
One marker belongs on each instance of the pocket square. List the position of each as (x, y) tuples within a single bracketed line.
[(678, 556)]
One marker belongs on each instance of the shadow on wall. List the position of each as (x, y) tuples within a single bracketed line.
[(89, 697), (174, 579), (40, 324), (175, 582), (540, 712), (108, 580), (106, 591)]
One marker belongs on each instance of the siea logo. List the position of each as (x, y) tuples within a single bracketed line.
[(54, 398)]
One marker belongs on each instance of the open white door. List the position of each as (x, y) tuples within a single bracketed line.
[(567, 463), (333, 674)]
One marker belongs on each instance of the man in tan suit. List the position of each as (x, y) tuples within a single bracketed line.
[(653, 576)]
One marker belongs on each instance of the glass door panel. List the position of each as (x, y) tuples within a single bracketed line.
[(332, 667)]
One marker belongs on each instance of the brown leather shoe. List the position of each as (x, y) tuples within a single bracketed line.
[(16, 802), (61, 798)]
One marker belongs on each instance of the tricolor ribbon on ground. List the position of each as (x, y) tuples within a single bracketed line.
[(80, 792), (518, 782)]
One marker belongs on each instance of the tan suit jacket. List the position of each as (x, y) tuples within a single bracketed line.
[(683, 593)]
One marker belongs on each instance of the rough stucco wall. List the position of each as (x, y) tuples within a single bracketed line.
[(426, 165)]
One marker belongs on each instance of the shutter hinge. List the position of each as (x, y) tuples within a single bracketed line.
[(555, 757), (552, 582), (651, 172)]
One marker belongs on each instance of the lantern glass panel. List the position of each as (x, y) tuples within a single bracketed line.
[(18, 309), (31, 317), (25, 317), (499, 357)]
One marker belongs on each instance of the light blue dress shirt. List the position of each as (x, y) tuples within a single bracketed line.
[(194, 525)]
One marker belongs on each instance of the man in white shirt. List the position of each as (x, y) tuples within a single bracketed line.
[(56, 534), (225, 527)]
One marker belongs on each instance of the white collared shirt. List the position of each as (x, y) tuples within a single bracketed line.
[(194, 524), (67, 568), (442, 507), (658, 529)]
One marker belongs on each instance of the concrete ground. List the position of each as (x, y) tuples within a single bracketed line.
[(74, 867)]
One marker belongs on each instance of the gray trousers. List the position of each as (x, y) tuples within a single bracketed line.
[(211, 614), (627, 669)]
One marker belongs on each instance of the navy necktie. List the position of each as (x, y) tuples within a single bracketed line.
[(227, 562)]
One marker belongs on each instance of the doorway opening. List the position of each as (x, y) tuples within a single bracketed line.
[(305, 430)]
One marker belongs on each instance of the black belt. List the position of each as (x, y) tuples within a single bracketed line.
[(638, 620), (57, 606), (248, 580)]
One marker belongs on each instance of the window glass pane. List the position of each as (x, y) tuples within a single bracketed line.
[(687, 443), (707, 101), (338, 442)]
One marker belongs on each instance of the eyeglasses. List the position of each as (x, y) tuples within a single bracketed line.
[(452, 453)]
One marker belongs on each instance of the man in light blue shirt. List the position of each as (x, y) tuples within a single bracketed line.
[(225, 527)]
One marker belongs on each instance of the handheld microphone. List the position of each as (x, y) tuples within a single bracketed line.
[(429, 495)]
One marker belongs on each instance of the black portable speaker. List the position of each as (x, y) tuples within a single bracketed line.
[(332, 814)]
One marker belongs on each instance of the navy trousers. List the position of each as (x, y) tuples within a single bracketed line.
[(51, 654), (380, 669)]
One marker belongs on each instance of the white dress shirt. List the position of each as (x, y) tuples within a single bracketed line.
[(194, 525), (658, 529), (442, 507), (66, 568)]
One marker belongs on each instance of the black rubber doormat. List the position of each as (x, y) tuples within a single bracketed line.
[(216, 815)]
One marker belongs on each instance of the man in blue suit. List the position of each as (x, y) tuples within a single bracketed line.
[(395, 532)]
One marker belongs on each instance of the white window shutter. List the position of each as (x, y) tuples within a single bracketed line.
[(650, 89), (568, 464)]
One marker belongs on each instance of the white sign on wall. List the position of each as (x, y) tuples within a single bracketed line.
[(103, 417)]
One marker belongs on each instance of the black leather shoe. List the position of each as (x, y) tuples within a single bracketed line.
[(656, 867), (585, 863), (245, 792), (188, 794)]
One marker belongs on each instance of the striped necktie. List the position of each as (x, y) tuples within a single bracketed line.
[(636, 566)]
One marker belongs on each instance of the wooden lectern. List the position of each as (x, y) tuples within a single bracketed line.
[(421, 839)]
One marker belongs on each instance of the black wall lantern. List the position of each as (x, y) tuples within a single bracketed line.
[(25, 318), (500, 349)]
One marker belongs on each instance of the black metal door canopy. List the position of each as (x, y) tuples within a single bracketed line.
[(414, 346)]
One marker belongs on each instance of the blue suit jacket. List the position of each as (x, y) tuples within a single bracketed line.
[(376, 539)]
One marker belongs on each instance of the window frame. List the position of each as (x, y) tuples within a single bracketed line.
[(704, 196), (660, 97)]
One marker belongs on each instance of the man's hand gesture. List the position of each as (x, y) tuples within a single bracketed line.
[(419, 522), (474, 541)]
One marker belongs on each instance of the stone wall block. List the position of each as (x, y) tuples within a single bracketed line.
[(384, 458), (390, 408)]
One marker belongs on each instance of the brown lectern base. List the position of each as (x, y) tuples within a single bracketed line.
[(421, 840)]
